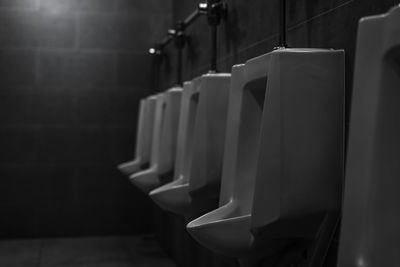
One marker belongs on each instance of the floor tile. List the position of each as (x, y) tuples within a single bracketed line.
[(69, 251), (19, 253), (133, 251)]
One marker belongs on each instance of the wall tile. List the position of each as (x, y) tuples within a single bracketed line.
[(18, 29), (18, 4), (41, 182), (116, 32), (36, 29), (153, 7), (17, 145), (58, 68), (94, 145), (33, 108), (17, 67), (55, 30), (300, 11), (107, 108), (18, 220), (123, 144), (71, 77), (59, 6), (134, 70), (56, 145)]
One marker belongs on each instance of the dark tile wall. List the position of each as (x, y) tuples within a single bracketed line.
[(251, 29), (71, 75)]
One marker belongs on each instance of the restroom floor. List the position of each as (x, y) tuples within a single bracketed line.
[(132, 251)]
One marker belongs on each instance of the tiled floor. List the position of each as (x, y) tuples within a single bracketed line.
[(134, 251)]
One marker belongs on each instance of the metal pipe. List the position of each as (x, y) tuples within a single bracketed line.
[(214, 31), (185, 23), (282, 28), (179, 80), (192, 17), (179, 40), (167, 39), (216, 10)]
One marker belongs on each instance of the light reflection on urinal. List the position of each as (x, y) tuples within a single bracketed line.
[(143, 137), (164, 141), (202, 150), (262, 83), (370, 233)]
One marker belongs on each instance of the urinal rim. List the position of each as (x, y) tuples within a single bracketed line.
[(136, 160), (152, 169), (216, 75), (168, 187), (194, 223)]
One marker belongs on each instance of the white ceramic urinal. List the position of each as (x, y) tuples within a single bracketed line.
[(226, 230), (208, 149), (300, 162), (263, 81), (370, 234), (143, 137), (174, 196), (197, 189), (164, 141)]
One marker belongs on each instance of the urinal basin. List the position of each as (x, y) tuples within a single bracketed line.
[(370, 234), (226, 230), (209, 135), (197, 188), (300, 153), (164, 142), (143, 138), (223, 230), (130, 167), (173, 197), (146, 180)]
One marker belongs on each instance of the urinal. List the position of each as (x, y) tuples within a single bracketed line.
[(301, 149), (370, 234), (264, 81), (226, 230), (196, 190), (164, 141), (143, 137), (174, 196)]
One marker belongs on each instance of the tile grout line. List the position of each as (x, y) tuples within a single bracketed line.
[(38, 263), (319, 15)]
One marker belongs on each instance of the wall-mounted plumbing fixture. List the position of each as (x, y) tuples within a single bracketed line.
[(370, 234), (143, 137), (195, 191), (283, 170), (163, 142)]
